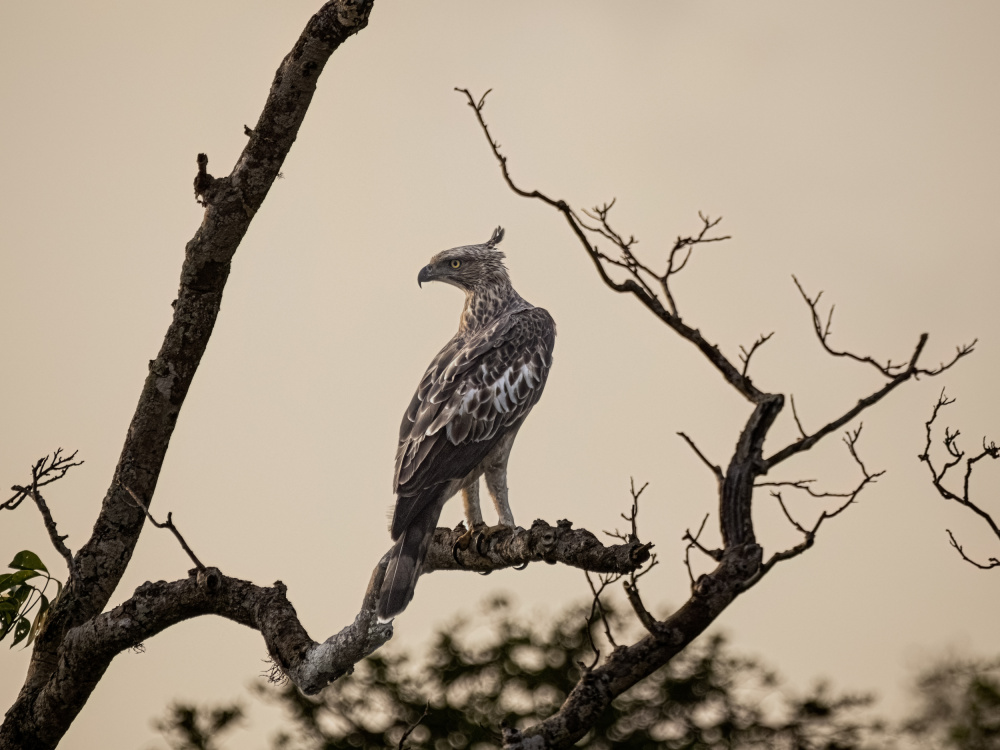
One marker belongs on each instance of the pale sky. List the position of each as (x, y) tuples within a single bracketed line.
[(852, 144)]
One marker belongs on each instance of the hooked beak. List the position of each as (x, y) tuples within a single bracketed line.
[(426, 274)]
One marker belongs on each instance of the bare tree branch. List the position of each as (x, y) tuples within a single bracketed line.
[(950, 442), (739, 562), (888, 370), (47, 470), (230, 205), (169, 524), (597, 608), (795, 415), (746, 355), (630, 285), (807, 442), (809, 534), (714, 468), (991, 563), (693, 543), (633, 515)]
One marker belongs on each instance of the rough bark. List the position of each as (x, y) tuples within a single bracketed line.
[(230, 204)]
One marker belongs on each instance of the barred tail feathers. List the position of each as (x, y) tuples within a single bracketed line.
[(405, 562)]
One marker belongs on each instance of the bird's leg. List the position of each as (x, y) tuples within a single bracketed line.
[(473, 512), (496, 483), (474, 517)]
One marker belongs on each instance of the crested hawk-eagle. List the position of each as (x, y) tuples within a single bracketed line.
[(462, 420)]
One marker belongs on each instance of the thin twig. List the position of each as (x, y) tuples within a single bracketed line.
[(745, 355), (427, 707), (795, 415), (597, 607), (993, 562), (633, 536), (168, 524), (49, 469), (715, 554), (46, 470), (950, 442), (809, 534), (632, 594), (889, 370), (50, 525), (804, 485), (714, 468)]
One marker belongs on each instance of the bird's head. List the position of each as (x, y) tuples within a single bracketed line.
[(469, 266)]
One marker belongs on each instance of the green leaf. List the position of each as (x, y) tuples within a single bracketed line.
[(27, 560), (39, 619), (13, 580), (21, 631), (22, 592)]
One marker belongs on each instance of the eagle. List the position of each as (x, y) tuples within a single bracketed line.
[(461, 423)]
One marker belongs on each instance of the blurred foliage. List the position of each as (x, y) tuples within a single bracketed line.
[(498, 669), (23, 603), (959, 706), (195, 728)]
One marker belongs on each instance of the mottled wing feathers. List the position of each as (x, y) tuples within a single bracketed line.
[(478, 387)]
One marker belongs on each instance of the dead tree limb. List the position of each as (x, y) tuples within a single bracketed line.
[(739, 562), (963, 497)]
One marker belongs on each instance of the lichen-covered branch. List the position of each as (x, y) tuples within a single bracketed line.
[(89, 648), (230, 205), (561, 543)]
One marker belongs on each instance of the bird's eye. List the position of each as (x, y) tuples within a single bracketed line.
[(456, 263)]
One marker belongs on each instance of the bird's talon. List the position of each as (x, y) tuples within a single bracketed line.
[(454, 553), (480, 537)]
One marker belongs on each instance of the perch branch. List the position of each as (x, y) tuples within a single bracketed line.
[(739, 562)]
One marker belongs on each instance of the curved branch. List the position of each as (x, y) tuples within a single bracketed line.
[(739, 560), (230, 205), (729, 371), (628, 664), (89, 648), (561, 543)]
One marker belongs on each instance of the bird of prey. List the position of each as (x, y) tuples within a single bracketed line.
[(468, 407)]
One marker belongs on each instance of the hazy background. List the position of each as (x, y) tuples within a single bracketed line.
[(853, 144)]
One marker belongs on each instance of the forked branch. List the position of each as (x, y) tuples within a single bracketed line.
[(739, 562), (963, 496), (890, 369), (636, 284), (46, 470), (809, 533), (168, 524)]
